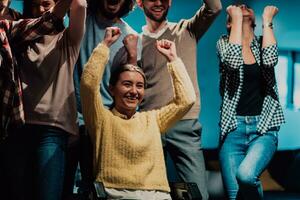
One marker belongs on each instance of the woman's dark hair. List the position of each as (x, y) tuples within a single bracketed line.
[(115, 74), (27, 8), (94, 5)]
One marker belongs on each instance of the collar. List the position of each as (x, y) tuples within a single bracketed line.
[(155, 35), (118, 114)]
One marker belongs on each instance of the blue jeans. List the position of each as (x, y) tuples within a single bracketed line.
[(34, 162), (80, 153), (244, 155), (183, 143)]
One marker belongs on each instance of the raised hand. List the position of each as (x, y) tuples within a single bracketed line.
[(235, 13), (269, 13), (111, 35), (167, 48), (130, 42)]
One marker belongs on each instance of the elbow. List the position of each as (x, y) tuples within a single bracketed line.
[(217, 8), (79, 4), (86, 87), (190, 101)]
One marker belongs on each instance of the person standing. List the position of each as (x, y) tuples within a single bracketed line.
[(14, 36), (251, 114), (36, 150), (182, 141)]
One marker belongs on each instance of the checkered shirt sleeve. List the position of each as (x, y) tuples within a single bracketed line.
[(270, 56), (230, 54)]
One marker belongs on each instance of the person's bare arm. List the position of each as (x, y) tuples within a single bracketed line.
[(268, 33), (269, 44), (130, 43)]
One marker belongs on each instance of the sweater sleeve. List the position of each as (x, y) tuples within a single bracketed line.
[(204, 17), (184, 96), (92, 106)]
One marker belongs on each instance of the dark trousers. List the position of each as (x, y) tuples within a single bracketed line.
[(79, 153), (33, 163), (183, 143)]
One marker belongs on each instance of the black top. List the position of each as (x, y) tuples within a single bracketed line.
[(252, 95)]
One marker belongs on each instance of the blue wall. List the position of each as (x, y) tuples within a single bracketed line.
[(17, 4), (287, 29)]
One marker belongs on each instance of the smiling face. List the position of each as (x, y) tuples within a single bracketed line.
[(155, 10), (110, 8), (128, 92), (39, 7)]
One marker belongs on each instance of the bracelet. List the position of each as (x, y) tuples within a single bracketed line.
[(269, 24)]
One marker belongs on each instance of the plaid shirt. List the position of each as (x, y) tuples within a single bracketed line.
[(15, 15), (231, 79), (11, 14), (13, 38)]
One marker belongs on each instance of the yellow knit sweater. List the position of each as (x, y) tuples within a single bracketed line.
[(128, 153)]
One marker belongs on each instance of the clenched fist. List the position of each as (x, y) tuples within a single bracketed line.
[(269, 13), (235, 12), (111, 35), (130, 42), (167, 48)]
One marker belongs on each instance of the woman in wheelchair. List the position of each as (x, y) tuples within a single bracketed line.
[(128, 156)]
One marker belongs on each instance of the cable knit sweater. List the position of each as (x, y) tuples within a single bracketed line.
[(128, 153)]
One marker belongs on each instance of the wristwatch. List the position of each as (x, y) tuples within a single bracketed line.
[(269, 24)]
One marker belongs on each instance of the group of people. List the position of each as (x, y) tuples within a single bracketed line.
[(98, 94)]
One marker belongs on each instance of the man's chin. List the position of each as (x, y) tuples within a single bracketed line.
[(159, 18)]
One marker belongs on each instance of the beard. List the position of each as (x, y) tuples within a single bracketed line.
[(154, 18)]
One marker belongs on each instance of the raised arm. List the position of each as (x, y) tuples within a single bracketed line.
[(269, 45), (77, 20), (205, 16), (184, 93), (92, 106), (229, 49), (49, 23), (130, 42), (61, 8)]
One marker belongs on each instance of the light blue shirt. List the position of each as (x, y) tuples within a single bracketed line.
[(94, 34)]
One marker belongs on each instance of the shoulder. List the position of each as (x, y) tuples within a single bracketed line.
[(224, 38)]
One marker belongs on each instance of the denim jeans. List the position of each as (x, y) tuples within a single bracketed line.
[(34, 162), (81, 153), (244, 155), (183, 143)]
